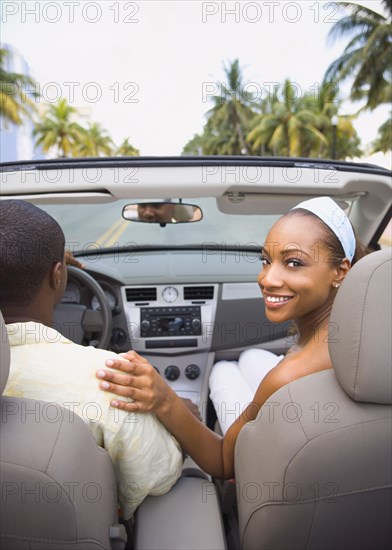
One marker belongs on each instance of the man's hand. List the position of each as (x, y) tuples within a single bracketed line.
[(70, 260), (192, 407)]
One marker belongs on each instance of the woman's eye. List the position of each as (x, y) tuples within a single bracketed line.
[(293, 262), (264, 260)]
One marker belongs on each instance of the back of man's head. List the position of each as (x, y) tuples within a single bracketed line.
[(31, 241)]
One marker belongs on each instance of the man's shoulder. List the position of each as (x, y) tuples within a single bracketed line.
[(48, 345), (90, 353)]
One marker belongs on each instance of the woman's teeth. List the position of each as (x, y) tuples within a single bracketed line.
[(274, 299)]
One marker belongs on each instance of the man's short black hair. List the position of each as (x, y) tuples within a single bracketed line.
[(31, 241)]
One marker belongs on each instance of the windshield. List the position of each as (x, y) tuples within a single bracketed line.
[(88, 227)]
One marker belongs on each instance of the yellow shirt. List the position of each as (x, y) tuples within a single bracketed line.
[(48, 367)]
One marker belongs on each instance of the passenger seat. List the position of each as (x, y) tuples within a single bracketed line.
[(314, 469)]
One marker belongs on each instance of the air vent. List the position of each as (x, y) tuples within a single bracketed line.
[(141, 294), (198, 292)]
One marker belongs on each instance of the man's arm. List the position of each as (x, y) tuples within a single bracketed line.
[(146, 458)]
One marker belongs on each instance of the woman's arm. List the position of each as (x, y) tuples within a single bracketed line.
[(150, 393), (139, 381)]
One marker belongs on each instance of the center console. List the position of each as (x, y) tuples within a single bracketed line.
[(172, 326)]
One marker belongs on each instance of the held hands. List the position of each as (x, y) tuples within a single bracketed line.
[(140, 382)]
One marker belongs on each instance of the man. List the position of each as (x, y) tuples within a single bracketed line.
[(156, 212), (46, 366)]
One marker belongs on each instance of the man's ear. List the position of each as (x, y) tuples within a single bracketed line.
[(56, 275)]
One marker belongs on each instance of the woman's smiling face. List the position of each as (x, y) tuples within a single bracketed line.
[(296, 279)]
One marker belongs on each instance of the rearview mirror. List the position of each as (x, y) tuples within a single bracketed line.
[(162, 212)]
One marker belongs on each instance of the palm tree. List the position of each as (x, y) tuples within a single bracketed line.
[(229, 118), (383, 141), (126, 149), (95, 142), (348, 143), (15, 103), (195, 146), (57, 129), (287, 126), (368, 55), (342, 139), (212, 141)]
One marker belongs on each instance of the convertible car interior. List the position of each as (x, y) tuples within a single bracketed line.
[(171, 251)]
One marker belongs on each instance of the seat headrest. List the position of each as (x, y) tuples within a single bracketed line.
[(360, 336), (4, 355)]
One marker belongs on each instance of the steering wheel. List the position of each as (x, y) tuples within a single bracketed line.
[(74, 320)]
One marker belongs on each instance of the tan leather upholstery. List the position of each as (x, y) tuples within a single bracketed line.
[(186, 518), (314, 470), (58, 488), (361, 318)]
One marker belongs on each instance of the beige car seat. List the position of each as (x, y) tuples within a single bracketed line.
[(58, 489), (314, 469)]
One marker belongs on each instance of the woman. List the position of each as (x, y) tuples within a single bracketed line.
[(306, 256)]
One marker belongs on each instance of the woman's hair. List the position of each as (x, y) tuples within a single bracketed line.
[(329, 240)]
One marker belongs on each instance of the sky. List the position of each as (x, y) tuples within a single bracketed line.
[(146, 70)]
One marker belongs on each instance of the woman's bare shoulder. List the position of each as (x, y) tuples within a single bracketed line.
[(292, 367)]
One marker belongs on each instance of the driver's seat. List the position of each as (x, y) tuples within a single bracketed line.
[(58, 489), (314, 470)]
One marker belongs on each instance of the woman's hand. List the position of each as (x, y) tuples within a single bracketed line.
[(139, 374), (139, 381)]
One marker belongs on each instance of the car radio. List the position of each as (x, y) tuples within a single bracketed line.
[(156, 323), (170, 321)]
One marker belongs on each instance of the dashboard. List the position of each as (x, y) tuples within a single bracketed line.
[(72, 295), (184, 316)]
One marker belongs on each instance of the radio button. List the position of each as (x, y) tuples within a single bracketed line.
[(192, 372), (145, 324), (172, 372)]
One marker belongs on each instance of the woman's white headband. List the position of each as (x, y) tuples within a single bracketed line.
[(331, 214)]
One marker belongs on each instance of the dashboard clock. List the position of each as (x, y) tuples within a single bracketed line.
[(170, 294)]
